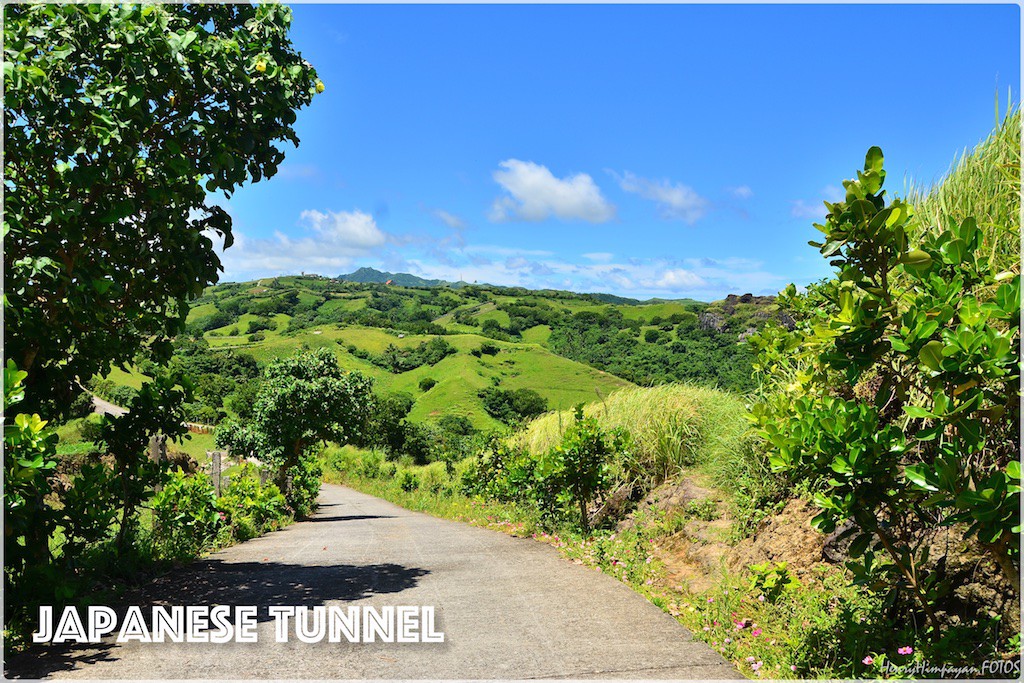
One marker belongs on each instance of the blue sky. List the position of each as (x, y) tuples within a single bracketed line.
[(646, 151)]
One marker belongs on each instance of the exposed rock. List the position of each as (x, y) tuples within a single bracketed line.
[(747, 332), (785, 537), (709, 320)]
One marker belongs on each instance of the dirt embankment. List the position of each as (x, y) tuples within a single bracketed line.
[(696, 554)]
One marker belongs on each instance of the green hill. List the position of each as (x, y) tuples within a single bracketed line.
[(371, 275), (565, 346)]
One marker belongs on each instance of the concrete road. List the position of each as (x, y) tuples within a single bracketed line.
[(106, 407), (510, 608)]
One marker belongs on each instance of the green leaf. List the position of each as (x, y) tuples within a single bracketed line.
[(922, 476), (931, 356), (1013, 469), (917, 259), (954, 251), (874, 159), (918, 412)]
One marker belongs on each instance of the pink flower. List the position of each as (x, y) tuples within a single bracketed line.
[(756, 632), (760, 598), (868, 661), (728, 640), (756, 665), (710, 600), (740, 625), (750, 659), (906, 650), (792, 667)]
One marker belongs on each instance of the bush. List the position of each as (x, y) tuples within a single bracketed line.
[(186, 520), (578, 468), (251, 509), (427, 383), (905, 418), (408, 482), (91, 428), (513, 406), (81, 406), (260, 324)]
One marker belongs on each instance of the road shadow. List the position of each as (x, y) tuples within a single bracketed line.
[(215, 582), (348, 518)]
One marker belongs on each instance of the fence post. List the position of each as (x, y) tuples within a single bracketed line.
[(215, 469), (158, 453)]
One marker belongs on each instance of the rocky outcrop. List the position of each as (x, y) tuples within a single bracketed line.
[(709, 320)]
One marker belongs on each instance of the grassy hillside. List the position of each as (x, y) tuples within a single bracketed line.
[(568, 348), (672, 426), (983, 183)]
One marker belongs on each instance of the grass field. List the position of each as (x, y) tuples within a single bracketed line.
[(459, 377)]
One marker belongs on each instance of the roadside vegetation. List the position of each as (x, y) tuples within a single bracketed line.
[(886, 398), (110, 125), (678, 446)]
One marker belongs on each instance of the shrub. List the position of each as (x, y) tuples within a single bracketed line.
[(81, 406), (186, 520), (905, 416), (408, 482), (249, 508), (513, 406), (427, 383), (578, 468)]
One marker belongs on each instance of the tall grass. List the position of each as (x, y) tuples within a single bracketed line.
[(984, 183), (672, 426)]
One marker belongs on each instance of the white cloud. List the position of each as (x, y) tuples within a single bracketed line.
[(675, 200), (701, 278), (451, 220), (599, 256), (680, 279), (535, 194), (496, 250), (330, 242), (347, 229), (741, 192)]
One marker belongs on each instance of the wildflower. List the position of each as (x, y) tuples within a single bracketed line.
[(756, 665), (707, 628), (727, 641), (740, 625), (760, 598), (906, 650), (710, 600), (756, 632), (868, 661), (792, 667), (750, 659)]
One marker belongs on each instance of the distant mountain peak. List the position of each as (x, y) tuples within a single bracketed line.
[(374, 276)]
